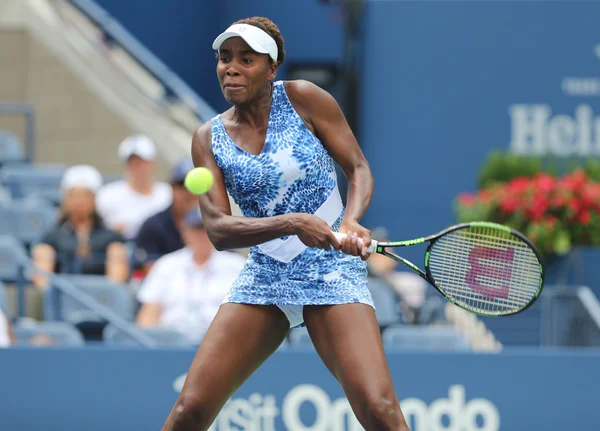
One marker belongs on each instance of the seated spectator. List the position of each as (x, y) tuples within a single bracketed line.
[(80, 243), (184, 289), (124, 205), (408, 286), (160, 234)]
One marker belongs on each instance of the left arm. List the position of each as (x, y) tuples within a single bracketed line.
[(324, 117)]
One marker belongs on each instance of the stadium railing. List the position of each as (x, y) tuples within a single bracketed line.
[(570, 317), (66, 288), (118, 35)]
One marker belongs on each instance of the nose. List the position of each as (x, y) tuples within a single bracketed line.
[(231, 71)]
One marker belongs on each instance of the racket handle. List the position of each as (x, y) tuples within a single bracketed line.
[(371, 249)]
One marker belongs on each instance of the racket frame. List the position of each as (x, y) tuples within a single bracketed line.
[(380, 248)]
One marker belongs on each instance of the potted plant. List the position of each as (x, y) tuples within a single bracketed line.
[(559, 213)]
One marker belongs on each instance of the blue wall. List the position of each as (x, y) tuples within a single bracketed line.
[(98, 390), (181, 33), (438, 84)]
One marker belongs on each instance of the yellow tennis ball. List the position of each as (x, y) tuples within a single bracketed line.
[(199, 180)]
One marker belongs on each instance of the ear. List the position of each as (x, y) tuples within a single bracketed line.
[(273, 71)]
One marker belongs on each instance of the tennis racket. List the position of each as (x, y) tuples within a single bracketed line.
[(485, 268)]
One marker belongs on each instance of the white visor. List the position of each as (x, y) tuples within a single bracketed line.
[(257, 39)]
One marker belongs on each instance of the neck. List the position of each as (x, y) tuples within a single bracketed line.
[(81, 223), (141, 186), (255, 113), (200, 258)]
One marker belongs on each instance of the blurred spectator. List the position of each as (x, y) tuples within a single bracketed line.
[(80, 243), (410, 287), (42, 340), (160, 234), (126, 204), (184, 289), (7, 335)]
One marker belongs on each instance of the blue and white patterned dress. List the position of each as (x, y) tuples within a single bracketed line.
[(294, 173)]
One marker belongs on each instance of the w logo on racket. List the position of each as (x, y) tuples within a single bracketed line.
[(491, 271)]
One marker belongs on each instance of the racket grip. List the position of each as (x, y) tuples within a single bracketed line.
[(370, 249)]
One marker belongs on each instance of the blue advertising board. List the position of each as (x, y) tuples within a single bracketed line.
[(131, 389)]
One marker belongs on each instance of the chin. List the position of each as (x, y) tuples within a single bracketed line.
[(235, 99)]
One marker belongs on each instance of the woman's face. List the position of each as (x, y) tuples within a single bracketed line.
[(243, 73), (79, 202)]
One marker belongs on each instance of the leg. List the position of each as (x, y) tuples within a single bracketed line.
[(348, 340), (239, 340)]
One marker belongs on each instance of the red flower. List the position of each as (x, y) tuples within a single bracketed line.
[(545, 183), (558, 200), (484, 196), (509, 205), (590, 195), (518, 185), (584, 217), (574, 205), (538, 207), (574, 181), (467, 199)]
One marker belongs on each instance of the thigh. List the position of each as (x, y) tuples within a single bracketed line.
[(348, 339), (239, 340)]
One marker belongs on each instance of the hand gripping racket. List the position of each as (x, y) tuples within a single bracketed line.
[(485, 268)]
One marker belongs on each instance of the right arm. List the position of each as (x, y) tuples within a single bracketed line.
[(230, 232), (149, 315)]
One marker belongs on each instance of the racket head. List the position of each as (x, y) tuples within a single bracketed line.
[(485, 268)]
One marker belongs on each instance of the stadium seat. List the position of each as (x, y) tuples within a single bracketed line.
[(12, 252), (59, 333), (43, 197), (386, 303), (105, 292), (23, 179), (164, 337), (32, 222), (424, 338), (10, 148), (5, 198), (299, 337)]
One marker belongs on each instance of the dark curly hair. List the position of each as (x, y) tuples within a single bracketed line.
[(268, 26)]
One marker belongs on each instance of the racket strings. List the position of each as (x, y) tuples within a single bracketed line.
[(486, 270)]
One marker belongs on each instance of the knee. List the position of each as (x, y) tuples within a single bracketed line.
[(383, 413), (191, 413)]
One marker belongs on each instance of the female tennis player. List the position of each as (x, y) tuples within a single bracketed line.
[(272, 151)]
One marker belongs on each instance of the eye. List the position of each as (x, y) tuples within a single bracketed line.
[(247, 60), (224, 59)]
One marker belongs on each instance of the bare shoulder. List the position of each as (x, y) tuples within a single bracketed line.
[(202, 135), (307, 94)]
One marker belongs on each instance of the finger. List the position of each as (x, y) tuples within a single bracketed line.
[(356, 247), (347, 246), (352, 244), (334, 242)]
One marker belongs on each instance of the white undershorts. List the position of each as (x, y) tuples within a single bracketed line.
[(293, 314)]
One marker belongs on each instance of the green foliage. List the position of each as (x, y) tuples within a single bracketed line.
[(501, 167)]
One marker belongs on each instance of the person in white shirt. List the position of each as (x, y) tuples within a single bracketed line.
[(184, 289), (7, 336), (126, 204)]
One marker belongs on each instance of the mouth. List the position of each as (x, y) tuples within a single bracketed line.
[(233, 87)]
